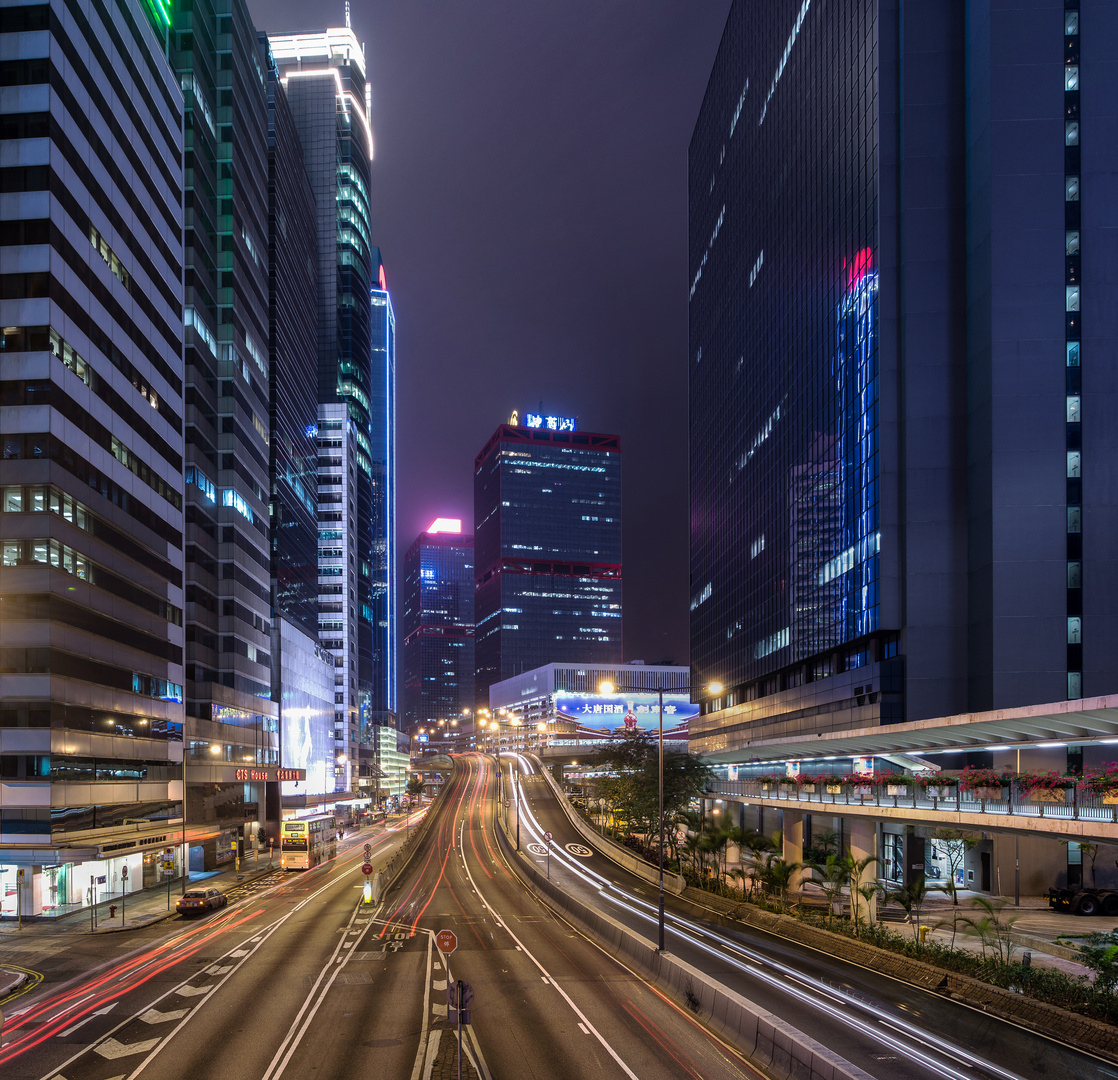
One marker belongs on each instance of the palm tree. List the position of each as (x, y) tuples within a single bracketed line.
[(911, 897), (833, 875)]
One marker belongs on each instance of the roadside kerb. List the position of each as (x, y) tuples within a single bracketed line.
[(673, 882), (787, 1053)]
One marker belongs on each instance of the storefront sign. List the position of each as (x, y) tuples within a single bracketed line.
[(271, 774)]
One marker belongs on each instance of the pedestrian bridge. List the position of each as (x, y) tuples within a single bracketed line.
[(1079, 817)]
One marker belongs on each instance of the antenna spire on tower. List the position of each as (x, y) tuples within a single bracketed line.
[(347, 23)]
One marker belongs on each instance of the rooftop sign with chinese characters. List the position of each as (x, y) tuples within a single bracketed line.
[(271, 774), (625, 710), (550, 423)]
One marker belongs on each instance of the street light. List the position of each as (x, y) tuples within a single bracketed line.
[(607, 687)]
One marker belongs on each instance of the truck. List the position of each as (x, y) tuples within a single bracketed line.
[(1080, 900)]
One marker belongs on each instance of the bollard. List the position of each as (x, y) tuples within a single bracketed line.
[(1027, 959), (923, 935), (112, 911)]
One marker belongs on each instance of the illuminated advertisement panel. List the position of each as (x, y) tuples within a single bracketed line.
[(610, 711)]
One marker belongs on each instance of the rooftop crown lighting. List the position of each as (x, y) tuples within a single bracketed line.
[(445, 525)]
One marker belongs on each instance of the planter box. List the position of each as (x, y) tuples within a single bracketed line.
[(993, 793), (940, 792), (809, 788), (863, 791), (897, 789), (1052, 795), (1111, 799), (834, 789)]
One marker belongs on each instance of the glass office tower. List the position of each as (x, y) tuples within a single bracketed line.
[(231, 718), (437, 626), (895, 254), (547, 513), (323, 75), (91, 473)]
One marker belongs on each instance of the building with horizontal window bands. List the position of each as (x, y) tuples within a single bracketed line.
[(901, 365), (437, 627), (231, 717), (547, 540), (323, 74), (91, 469)]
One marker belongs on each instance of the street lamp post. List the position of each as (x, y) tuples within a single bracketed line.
[(609, 688)]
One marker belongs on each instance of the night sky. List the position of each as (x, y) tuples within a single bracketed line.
[(530, 201)]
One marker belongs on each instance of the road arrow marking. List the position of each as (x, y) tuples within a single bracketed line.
[(193, 991), (112, 1049), (219, 970), (154, 1016), (240, 952), (100, 1012)]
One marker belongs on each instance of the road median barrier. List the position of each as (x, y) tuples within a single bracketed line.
[(615, 852), (785, 1052)]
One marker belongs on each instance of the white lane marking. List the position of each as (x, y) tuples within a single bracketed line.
[(432, 1053), (193, 991), (566, 997), (795, 983), (239, 952), (418, 1068), (111, 1049), (582, 1028), (154, 1016), (295, 1035), (219, 970), (86, 1019)]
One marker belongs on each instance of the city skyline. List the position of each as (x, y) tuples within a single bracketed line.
[(488, 248)]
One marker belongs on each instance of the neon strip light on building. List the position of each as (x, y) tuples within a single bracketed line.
[(347, 98)]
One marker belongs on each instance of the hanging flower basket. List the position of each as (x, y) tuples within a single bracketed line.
[(995, 794)]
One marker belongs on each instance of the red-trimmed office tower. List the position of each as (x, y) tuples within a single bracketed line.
[(547, 537)]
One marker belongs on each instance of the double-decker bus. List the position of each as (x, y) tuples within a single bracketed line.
[(307, 842)]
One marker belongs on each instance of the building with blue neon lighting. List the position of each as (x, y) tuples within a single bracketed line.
[(901, 366)]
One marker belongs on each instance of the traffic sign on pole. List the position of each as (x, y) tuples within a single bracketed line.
[(508, 803), (368, 851), (547, 837), (446, 941), (367, 869)]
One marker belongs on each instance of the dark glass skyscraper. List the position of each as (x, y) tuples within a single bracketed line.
[(382, 450), (893, 513), (324, 76), (437, 625), (231, 718), (547, 514), (293, 354)]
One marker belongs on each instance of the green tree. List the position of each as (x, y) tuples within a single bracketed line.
[(993, 929), (955, 843), (415, 785), (1100, 953), (832, 875)]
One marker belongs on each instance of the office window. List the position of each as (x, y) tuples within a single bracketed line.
[(1073, 414), (1075, 630), (1071, 133), (1071, 242), (1074, 462), (1075, 685), (1071, 22), (1071, 188), (1071, 297), (1075, 519), (1071, 77), (1073, 354), (1075, 575)]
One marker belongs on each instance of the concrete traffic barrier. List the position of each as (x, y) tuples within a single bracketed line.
[(787, 1053)]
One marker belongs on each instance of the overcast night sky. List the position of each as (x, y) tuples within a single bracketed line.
[(530, 201)]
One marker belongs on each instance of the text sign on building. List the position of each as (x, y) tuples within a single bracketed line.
[(550, 423), (271, 774), (624, 710)]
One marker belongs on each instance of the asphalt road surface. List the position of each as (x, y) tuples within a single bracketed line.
[(305, 980), (888, 1028)]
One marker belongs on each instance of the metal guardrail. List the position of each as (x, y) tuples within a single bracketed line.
[(1014, 803)]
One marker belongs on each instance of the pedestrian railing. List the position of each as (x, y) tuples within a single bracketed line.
[(1016, 800)]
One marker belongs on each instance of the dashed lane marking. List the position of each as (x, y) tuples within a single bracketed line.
[(154, 1016), (112, 1049)]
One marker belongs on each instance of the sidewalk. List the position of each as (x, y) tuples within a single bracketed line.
[(139, 908)]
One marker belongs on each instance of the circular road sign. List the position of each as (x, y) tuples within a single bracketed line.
[(368, 850), (508, 803), (547, 837), (367, 869), (447, 941)]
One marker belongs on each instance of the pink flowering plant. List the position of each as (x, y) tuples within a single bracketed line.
[(927, 780), (1048, 781), (970, 779), (1102, 781)]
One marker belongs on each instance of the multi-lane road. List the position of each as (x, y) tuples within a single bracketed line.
[(304, 980)]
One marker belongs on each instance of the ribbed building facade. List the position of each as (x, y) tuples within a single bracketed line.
[(91, 475)]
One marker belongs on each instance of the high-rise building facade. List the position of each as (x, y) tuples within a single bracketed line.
[(547, 535), (437, 625), (898, 422), (91, 474), (382, 451), (324, 77), (231, 717)]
